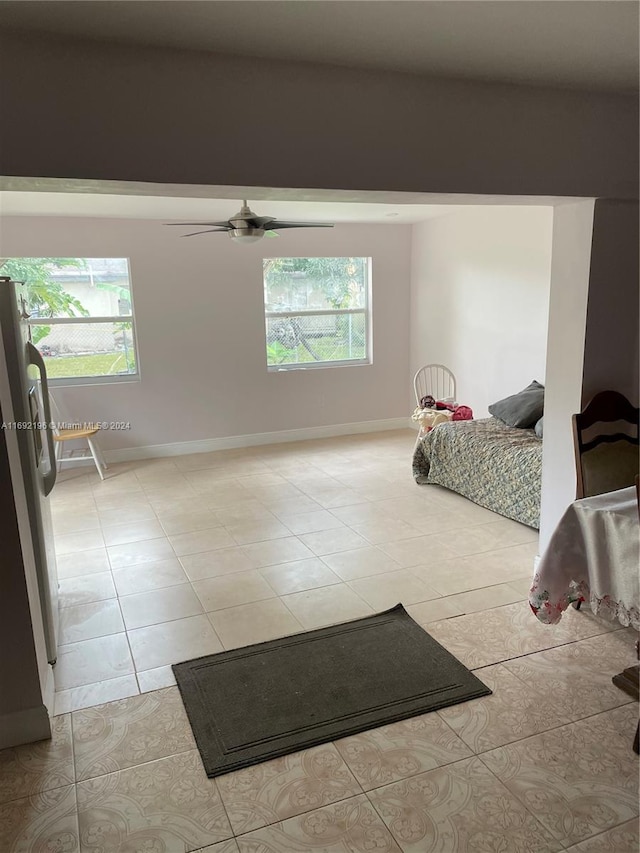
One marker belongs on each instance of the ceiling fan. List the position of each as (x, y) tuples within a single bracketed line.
[(246, 227)]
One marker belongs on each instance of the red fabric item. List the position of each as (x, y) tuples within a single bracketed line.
[(462, 413), (440, 404)]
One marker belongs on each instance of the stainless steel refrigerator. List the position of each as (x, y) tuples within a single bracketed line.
[(29, 398)]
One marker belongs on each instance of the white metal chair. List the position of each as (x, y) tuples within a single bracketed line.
[(74, 432), (436, 380)]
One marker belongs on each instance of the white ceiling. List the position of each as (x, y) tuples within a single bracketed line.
[(212, 209), (60, 197), (587, 44)]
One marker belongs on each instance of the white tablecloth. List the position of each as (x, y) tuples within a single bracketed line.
[(594, 556)]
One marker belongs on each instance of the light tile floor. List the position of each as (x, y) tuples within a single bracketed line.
[(170, 559)]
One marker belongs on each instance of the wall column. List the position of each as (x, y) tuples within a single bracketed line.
[(570, 266)]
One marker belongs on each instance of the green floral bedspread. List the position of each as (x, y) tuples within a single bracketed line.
[(494, 465)]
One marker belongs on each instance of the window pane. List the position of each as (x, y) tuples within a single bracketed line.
[(86, 349), (315, 284), (312, 338), (74, 287)]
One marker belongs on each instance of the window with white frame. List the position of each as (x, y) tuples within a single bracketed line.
[(317, 312), (80, 316)]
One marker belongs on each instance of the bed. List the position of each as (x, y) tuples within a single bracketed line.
[(494, 465)]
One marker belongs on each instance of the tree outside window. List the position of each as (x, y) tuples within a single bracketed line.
[(80, 315), (316, 311)]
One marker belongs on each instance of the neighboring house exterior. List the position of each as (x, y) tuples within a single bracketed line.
[(98, 287)]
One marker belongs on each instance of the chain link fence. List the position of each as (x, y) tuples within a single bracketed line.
[(86, 349), (306, 338)]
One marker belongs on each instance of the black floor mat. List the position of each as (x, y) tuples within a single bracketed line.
[(258, 702)]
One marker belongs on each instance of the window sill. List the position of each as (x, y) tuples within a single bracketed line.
[(286, 368), (92, 380)]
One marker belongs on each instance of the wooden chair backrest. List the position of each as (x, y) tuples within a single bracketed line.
[(607, 407)]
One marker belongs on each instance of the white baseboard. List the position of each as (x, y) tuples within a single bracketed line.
[(181, 448)]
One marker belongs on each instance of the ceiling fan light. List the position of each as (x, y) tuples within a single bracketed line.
[(246, 235)]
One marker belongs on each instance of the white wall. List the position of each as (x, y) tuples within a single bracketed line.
[(611, 340), (480, 299), (200, 324), (593, 332), (572, 236)]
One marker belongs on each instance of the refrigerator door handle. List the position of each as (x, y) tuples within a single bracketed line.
[(48, 479)]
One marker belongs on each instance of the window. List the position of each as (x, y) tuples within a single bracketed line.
[(317, 311), (80, 316)]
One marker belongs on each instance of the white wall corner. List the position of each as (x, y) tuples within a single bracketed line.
[(480, 285)]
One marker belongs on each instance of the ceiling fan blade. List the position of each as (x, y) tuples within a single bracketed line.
[(260, 221), (208, 231), (275, 225), (212, 224)]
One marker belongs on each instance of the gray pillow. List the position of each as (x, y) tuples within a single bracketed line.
[(539, 428), (522, 409)]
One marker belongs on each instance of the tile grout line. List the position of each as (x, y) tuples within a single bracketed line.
[(143, 763), (532, 652), (133, 660), (298, 814), (529, 737), (518, 798), (599, 834), (37, 793), (373, 806), (223, 804)]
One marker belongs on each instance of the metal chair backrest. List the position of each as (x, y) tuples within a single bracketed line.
[(436, 380)]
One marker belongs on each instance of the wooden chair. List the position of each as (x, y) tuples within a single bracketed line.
[(606, 458), (436, 380), (74, 432)]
